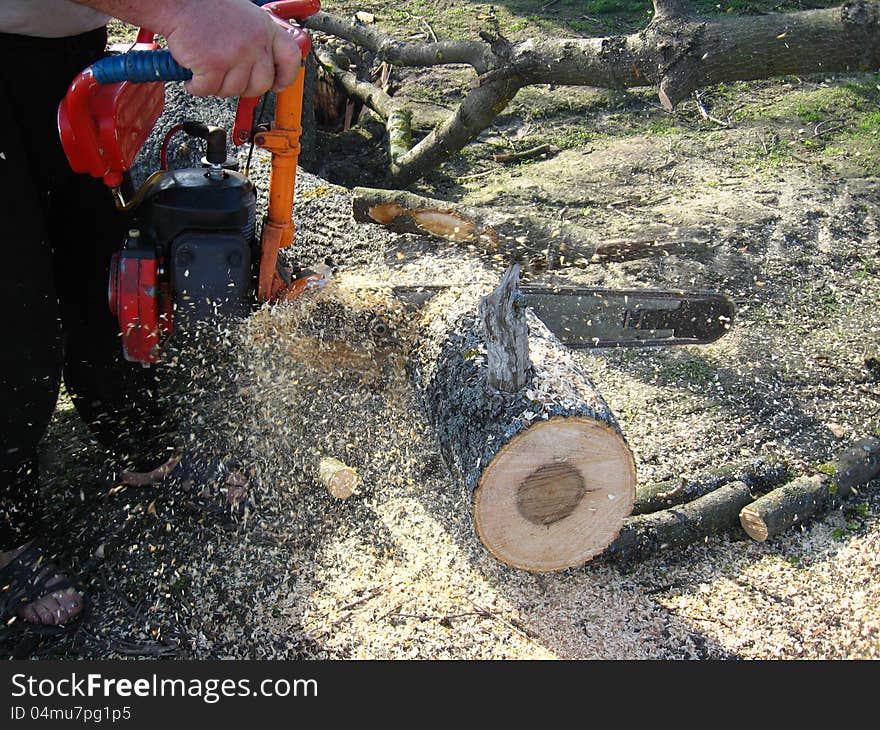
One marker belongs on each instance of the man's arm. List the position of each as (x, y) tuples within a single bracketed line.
[(232, 46)]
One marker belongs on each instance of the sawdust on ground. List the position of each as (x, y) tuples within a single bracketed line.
[(396, 571)]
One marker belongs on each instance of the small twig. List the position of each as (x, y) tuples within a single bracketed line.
[(543, 149), (701, 618), (349, 607), (545, 6), (818, 130), (673, 492), (475, 175), (430, 29), (705, 112), (512, 623)]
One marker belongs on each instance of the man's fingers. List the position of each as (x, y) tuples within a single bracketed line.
[(204, 84), (287, 60), (262, 76), (235, 81)]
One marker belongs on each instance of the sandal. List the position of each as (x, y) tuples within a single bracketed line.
[(27, 578)]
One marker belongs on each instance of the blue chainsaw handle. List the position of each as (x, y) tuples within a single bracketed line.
[(140, 67)]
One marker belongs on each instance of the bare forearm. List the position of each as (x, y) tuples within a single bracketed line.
[(160, 16)]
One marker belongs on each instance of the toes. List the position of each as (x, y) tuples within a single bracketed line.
[(29, 613), (71, 603), (44, 613), (53, 609)]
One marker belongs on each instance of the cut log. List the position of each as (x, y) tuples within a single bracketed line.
[(788, 505), (857, 465), (340, 479), (759, 475), (808, 497), (547, 470), (713, 514)]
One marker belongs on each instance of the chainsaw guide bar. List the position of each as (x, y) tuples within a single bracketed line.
[(592, 318)]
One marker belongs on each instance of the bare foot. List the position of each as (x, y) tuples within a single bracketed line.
[(54, 607), (148, 478)]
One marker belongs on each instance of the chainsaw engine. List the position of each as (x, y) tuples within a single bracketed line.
[(192, 255), (189, 256)]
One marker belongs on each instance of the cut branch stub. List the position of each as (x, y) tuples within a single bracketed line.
[(506, 334)]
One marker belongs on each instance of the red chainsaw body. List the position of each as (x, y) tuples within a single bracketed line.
[(134, 297), (103, 127)]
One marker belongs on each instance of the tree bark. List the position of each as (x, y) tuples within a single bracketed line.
[(758, 474), (548, 471), (857, 465), (791, 504), (648, 534), (506, 335)]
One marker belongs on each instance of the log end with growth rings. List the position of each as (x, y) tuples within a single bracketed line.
[(754, 524), (556, 495)]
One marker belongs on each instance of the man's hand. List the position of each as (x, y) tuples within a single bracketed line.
[(232, 47)]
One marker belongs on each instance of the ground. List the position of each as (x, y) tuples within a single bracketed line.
[(783, 199)]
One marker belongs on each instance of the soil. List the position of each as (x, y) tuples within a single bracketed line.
[(783, 187)]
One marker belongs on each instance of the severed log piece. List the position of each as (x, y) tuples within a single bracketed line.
[(759, 475), (788, 505), (546, 469), (811, 496), (525, 237), (715, 513), (857, 465), (340, 479)]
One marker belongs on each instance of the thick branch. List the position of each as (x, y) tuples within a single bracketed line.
[(398, 119), (808, 497), (645, 535), (758, 474), (526, 237), (370, 94), (677, 53), (476, 112), (474, 53), (682, 53)]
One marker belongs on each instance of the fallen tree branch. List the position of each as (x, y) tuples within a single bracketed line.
[(539, 151), (648, 534), (808, 497), (474, 53), (678, 53), (758, 474), (545, 244)]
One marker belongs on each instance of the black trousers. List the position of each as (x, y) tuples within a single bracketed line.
[(57, 232)]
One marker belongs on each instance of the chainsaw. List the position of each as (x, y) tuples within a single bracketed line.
[(192, 254)]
